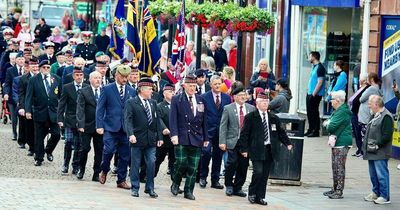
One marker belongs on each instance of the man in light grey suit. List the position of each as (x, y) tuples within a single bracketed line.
[(231, 123)]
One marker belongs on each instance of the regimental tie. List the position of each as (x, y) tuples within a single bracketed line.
[(96, 95), (148, 113), (78, 87), (217, 101), (191, 104), (266, 129), (47, 84), (121, 92), (241, 117)]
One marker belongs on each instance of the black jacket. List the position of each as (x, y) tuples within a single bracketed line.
[(45, 57), (252, 135), (220, 58), (44, 32), (163, 112), (86, 109), (23, 85), (11, 73), (67, 105), (136, 123), (37, 102)]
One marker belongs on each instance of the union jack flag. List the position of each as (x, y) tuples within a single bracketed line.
[(178, 48)]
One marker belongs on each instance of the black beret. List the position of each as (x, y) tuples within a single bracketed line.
[(200, 73), (20, 54), (237, 90), (44, 62)]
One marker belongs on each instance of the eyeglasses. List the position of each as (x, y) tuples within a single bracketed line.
[(45, 67)]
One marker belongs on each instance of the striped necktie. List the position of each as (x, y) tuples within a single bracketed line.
[(148, 113), (266, 129)]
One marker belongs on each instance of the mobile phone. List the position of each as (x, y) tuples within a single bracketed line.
[(394, 83)]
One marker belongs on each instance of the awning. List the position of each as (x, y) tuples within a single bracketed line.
[(327, 3)]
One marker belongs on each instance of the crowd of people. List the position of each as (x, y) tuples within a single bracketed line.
[(64, 83)]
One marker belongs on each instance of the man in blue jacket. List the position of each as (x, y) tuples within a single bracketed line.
[(110, 124)]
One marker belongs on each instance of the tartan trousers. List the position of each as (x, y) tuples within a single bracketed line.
[(187, 160)]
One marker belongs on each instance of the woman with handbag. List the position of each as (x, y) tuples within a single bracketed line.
[(377, 148), (340, 139)]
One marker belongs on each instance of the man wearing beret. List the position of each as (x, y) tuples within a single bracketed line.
[(60, 56), (110, 124), (188, 126), (66, 118), (202, 84), (86, 49), (261, 132), (49, 53), (232, 122), (41, 103), (142, 124)]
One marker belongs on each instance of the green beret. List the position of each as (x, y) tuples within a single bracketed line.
[(124, 70)]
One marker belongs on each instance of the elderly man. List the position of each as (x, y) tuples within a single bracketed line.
[(41, 103), (261, 130), (188, 126), (377, 149), (110, 124), (49, 53)]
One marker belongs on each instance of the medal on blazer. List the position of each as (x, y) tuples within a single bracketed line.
[(56, 91), (200, 107)]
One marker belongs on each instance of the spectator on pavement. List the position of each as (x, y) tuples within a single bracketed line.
[(264, 77), (339, 81), (42, 30), (281, 102)]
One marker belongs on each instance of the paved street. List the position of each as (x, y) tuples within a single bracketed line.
[(24, 186)]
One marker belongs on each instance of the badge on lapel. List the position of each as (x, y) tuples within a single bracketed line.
[(56, 90), (273, 127), (200, 107)]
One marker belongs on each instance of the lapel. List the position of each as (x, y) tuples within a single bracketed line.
[(40, 81), (139, 102), (115, 88), (236, 114), (186, 105)]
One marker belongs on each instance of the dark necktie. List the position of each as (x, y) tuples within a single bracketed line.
[(78, 87), (47, 84), (19, 72), (241, 116), (148, 113), (266, 129), (217, 102), (200, 90), (134, 86), (121, 92), (96, 95), (191, 104)]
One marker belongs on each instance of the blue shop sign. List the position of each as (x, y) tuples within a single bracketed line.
[(327, 3)]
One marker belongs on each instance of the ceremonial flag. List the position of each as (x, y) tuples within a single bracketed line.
[(178, 48), (118, 31), (150, 58), (132, 39)]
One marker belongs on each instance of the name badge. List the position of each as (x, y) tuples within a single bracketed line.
[(273, 127), (200, 107)]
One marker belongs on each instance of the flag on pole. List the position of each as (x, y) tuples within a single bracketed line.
[(150, 58), (132, 39), (118, 31), (178, 48)]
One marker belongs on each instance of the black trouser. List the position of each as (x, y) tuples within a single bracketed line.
[(85, 148), (30, 134), (12, 108), (161, 152), (21, 130), (236, 166), (312, 104), (41, 131), (261, 168)]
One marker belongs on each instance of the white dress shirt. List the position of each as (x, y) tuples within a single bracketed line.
[(194, 101), (269, 131)]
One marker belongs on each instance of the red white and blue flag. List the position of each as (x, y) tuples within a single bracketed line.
[(178, 48)]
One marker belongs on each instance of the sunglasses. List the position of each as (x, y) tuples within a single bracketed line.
[(45, 67)]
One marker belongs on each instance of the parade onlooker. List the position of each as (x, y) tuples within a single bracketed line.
[(67, 21), (316, 89), (364, 114), (232, 122), (232, 54), (164, 56), (261, 133), (188, 52), (354, 104), (218, 54), (56, 36), (339, 127), (102, 40), (228, 78), (226, 41), (264, 77), (397, 94), (18, 27), (101, 25), (42, 30), (80, 23), (339, 81), (377, 148), (281, 102)]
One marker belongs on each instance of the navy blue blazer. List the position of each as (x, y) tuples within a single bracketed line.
[(191, 130), (214, 114), (110, 107)]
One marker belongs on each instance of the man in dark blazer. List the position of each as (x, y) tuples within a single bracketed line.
[(11, 73), (261, 132), (232, 122), (142, 126), (49, 53), (110, 124), (167, 147), (202, 84), (188, 126), (219, 55), (41, 105), (86, 118), (66, 117), (215, 102), (23, 86)]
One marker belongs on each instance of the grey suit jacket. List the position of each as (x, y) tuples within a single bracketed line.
[(229, 129)]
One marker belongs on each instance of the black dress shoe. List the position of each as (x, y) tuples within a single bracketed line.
[(38, 163), (21, 146), (135, 193), (14, 139), (229, 191), (314, 134), (64, 169), (308, 132), (95, 177), (151, 193), (189, 195), (217, 185), (79, 175), (174, 189), (180, 191), (75, 171), (252, 198), (203, 183), (240, 193), (50, 157), (30, 153), (262, 202)]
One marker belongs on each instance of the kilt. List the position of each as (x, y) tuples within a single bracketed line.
[(187, 159)]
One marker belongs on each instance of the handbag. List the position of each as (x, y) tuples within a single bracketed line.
[(332, 138)]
